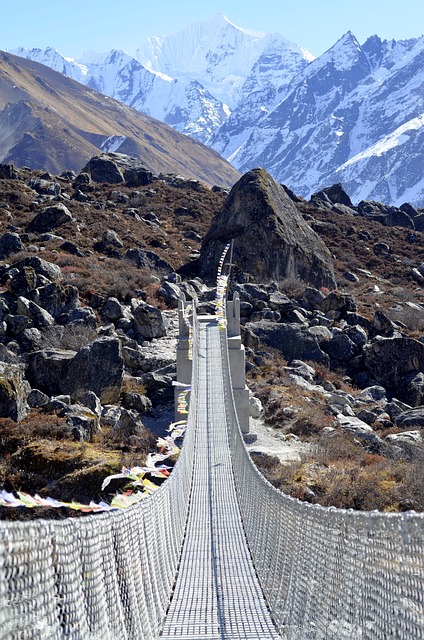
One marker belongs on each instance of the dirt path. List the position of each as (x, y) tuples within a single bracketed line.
[(264, 439)]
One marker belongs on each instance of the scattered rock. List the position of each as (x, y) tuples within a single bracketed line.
[(149, 321), (14, 391), (294, 341), (97, 367), (50, 218)]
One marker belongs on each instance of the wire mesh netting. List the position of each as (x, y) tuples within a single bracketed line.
[(325, 573)]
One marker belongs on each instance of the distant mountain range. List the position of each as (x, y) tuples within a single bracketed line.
[(353, 115), (48, 121)]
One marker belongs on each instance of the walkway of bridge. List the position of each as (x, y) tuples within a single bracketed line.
[(215, 553), (217, 593)]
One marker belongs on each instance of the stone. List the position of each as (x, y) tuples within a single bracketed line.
[(110, 415), (47, 368), (170, 293), (395, 408), (83, 422), (14, 391), (367, 416), (413, 388), (137, 401), (72, 248), (90, 400), (411, 419), (8, 172), (393, 361), (57, 299), (50, 218), (334, 195), (340, 348), (294, 341), (44, 187), (97, 367), (357, 334), (382, 324), (129, 424), (40, 317), (41, 267), (405, 436), (10, 243), (399, 218), (111, 309), (103, 168), (272, 242), (335, 301), (82, 316), (145, 259), (37, 398), (353, 424), (375, 392), (23, 281), (255, 407), (322, 334), (149, 321), (17, 323)]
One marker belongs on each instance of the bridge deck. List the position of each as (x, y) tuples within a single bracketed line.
[(217, 593)]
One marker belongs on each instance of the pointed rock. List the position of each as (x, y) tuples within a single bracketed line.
[(271, 239)]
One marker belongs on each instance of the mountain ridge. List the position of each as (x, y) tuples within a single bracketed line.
[(56, 123)]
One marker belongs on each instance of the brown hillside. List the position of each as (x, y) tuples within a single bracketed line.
[(53, 123)]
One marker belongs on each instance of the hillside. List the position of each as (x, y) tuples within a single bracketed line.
[(87, 336), (51, 122)]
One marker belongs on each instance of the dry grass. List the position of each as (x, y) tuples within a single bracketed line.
[(37, 455), (340, 473)]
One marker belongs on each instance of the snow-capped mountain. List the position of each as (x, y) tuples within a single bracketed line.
[(354, 115), (187, 106), (221, 56)]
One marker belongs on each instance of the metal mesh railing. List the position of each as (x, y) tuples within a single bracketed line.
[(329, 573), (104, 576), (326, 573)]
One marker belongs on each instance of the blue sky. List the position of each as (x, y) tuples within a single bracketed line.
[(80, 25)]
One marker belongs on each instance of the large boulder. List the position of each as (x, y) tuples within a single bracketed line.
[(103, 168), (13, 392), (97, 367), (57, 299), (50, 218), (271, 239), (149, 321), (294, 341), (41, 267), (394, 363), (145, 259), (117, 168), (47, 367), (10, 243)]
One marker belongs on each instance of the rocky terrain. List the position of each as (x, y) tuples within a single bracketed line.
[(332, 312)]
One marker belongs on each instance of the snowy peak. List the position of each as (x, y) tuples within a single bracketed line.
[(216, 53)]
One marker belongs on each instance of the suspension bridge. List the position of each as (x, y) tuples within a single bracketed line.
[(217, 552)]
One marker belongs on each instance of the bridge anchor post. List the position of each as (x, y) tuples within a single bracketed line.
[(237, 363), (184, 363)]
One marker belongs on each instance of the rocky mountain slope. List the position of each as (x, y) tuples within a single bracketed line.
[(354, 115), (54, 123), (91, 268)]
